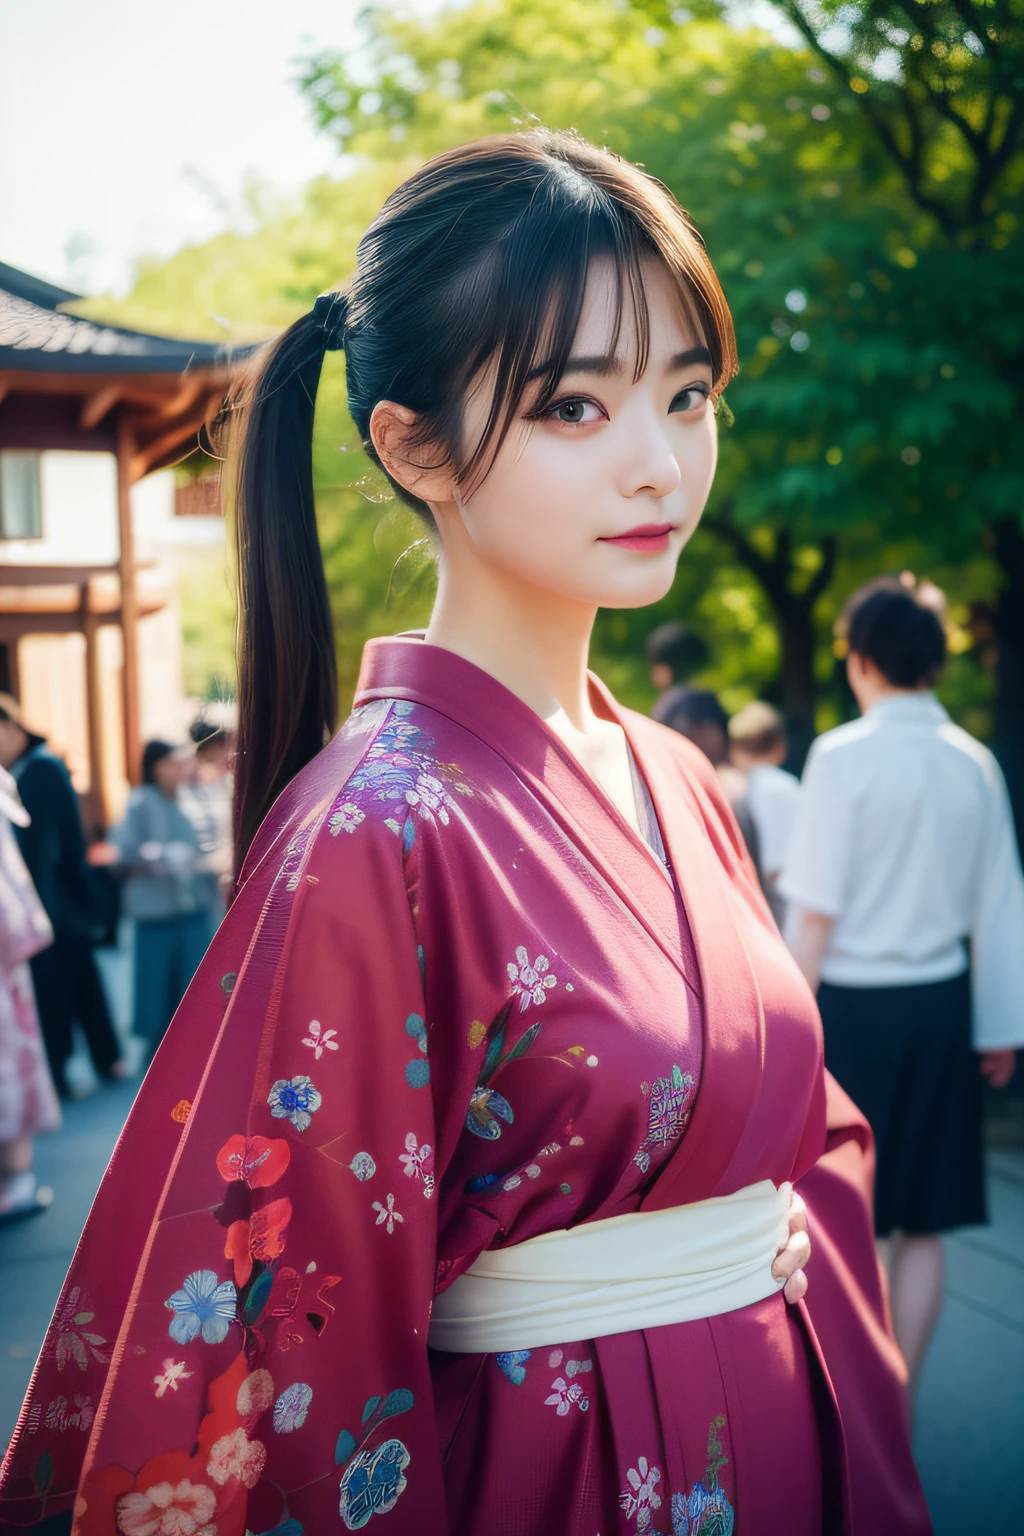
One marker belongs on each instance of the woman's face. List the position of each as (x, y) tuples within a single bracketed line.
[(595, 501), (168, 773)]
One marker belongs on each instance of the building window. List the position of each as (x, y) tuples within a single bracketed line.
[(20, 507)]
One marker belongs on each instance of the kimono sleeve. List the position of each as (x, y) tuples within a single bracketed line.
[(255, 1358), (997, 931)]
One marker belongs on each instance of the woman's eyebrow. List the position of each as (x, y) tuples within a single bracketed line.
[(603, 364), (688, 358), (606, 365)]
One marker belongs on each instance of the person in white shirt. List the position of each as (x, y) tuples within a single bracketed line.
[(758, 747), (902, 855)]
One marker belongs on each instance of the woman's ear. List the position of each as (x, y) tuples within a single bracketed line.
[(420, 468)]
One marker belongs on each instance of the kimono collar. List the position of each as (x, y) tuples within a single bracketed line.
[(697, 929), (405, 667)]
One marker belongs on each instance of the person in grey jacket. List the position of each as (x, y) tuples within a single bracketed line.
[(164, 890)]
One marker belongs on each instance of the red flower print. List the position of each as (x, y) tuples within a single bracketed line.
[(261, 1237), (258, 1161)]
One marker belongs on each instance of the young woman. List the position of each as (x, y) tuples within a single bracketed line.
[(458, 1197), (903, 848), (166, 890)]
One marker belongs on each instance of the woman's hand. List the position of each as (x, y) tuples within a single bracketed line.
[(795, 1251)]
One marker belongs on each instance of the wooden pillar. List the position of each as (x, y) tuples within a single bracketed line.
[(14, 668), (129, 602), (97, 799)]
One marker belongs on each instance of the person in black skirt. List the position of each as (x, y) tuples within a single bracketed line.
[(907, 916)]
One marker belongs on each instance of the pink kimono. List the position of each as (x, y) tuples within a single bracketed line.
[(28, 1100), (457, 1004)]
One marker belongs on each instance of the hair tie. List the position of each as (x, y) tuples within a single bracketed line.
[(331, 312)]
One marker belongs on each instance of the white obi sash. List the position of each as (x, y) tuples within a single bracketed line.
[(641, 1270)]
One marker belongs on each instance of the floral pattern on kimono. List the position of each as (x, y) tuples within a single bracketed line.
[(402, 776), (251, 1298)]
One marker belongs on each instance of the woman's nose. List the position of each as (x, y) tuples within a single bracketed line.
[(651, 466)]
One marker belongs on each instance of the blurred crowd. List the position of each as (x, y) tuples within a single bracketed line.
[(888, 860), (166, 868)]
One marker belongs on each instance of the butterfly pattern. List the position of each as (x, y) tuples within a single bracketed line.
[(488, 1107)]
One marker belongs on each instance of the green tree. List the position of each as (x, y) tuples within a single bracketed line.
[(849, 394), (941, 86), (865, 426)]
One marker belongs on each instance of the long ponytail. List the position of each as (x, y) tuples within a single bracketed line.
[(287, 669)]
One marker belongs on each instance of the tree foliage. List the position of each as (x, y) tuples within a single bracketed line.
[(857, 411), (872, 420)]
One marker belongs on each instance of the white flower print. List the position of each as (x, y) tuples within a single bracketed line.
[(173, 1372), (415, 1159), (563, 1396), (530, 983), (235, 1455), (387, 1214), (346, 819), (320, 1039), (61, 1415), (640, 1497), (430, 798), (167, 1509)]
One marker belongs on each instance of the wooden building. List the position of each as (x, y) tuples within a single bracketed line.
[(86, 411)]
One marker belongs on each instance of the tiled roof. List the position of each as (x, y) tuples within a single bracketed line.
[(36, 336)]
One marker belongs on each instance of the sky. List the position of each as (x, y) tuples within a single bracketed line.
[(129, 128)]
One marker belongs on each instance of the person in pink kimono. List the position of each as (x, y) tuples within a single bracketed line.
[(458, 1198), (28, 1100)]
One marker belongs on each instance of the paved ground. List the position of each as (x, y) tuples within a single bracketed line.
[(970, 1425)]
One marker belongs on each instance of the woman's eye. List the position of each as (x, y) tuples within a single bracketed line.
[(576, 413), (691, 399)]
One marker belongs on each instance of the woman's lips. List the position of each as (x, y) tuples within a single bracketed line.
[(651, 538)]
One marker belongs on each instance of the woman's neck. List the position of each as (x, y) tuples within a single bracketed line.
[(531, 641)]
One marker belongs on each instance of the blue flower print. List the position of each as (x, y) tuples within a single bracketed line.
[(373, 1483), (291, 1408), (204, 1304), (710, 1512), (513, 1365), (294, 1100), (363, 1166), (417, 1073), (707, 1511)]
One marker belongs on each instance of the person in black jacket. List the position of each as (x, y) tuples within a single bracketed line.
[(65, 976)]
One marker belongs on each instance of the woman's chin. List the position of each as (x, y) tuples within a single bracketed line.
[(639, 589)]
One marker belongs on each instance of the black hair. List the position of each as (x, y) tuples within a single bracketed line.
[(887, 622), (152, 753), (674, 645), (478, 262), (204, 734), (681, 706)]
